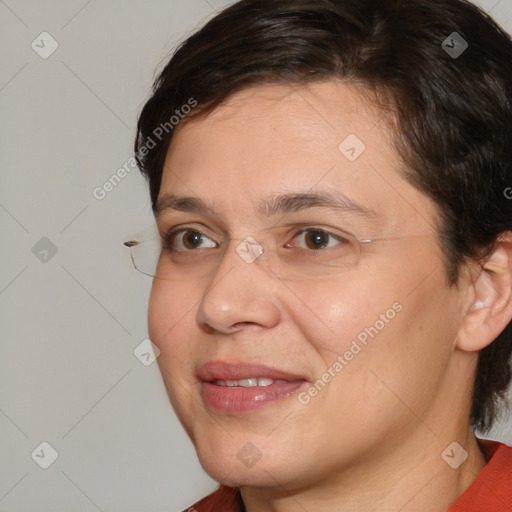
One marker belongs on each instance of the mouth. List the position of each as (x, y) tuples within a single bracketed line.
[(251, 382), (241, 387)]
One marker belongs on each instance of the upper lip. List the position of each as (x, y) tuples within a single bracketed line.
[(233, 370)]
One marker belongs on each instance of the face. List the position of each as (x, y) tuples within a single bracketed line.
[(296, 365)]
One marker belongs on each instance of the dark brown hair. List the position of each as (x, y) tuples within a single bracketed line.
[(452, 111)]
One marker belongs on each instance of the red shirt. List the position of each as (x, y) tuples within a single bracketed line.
[(492, 489), (490, 492)]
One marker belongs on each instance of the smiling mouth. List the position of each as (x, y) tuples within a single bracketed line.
[(251, 382), (234, 387)]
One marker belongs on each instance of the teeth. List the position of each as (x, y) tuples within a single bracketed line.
[(249, 383)]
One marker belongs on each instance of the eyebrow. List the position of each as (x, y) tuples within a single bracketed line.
[(277, 205)]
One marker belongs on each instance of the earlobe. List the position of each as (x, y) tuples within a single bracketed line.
[(490, 310)]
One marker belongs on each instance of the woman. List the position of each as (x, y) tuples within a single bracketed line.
[(333, 287)]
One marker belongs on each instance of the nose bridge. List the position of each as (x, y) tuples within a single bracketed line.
[(250, 250), (241, 290), (243, 254)]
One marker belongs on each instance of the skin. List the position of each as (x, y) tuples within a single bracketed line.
[(372, 439)]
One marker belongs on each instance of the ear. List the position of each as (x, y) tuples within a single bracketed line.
[(489, 308)]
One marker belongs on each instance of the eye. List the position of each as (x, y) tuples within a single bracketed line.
[(187, 240), (315, 239)]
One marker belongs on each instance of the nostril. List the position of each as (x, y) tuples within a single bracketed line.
[(242, 325)]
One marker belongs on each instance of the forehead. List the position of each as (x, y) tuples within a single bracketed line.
[(276, 139), (305, 114)]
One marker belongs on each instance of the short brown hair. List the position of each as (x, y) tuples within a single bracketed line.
[(453, 112)]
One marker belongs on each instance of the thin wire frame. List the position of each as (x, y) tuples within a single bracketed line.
[(146, 258)]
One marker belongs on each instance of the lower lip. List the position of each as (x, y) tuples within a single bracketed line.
[(239, 399)]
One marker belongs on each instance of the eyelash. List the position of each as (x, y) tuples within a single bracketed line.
[(172, 235)]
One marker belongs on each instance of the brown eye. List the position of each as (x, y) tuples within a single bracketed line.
[(192, 239), (316, 239), (187, 240)]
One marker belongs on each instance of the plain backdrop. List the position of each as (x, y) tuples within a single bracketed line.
[(72, 310)]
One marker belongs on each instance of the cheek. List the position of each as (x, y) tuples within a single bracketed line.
[(170, 329), (170, 304), (405, 320), (161, 313), (335, 313), (169, 321), (394, 345)]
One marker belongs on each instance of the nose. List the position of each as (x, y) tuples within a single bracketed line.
[(240, 293)]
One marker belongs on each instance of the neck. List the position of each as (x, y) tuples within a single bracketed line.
[(411, 476)]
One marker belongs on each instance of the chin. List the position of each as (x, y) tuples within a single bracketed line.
[(236, 475), (246, 467)]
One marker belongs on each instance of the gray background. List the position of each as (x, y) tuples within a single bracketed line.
[(72, 320)]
